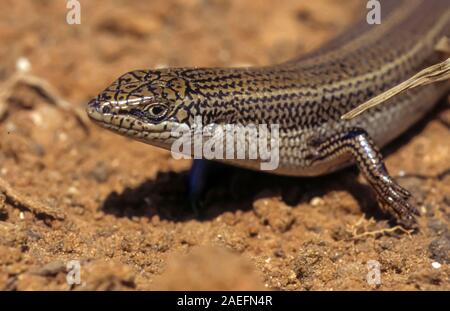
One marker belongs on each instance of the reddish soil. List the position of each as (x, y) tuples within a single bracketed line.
[(72, 191)]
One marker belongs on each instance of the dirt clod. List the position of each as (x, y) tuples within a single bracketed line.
[(275, 213), (440, 249), (209, 268)]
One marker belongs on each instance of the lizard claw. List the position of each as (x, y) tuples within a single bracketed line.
[(395, 200)]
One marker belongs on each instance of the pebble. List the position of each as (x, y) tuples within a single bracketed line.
[(36, 118), (72, 190), (23, 64), (440, 249), (316, 201), (100, 173), (436, 265)]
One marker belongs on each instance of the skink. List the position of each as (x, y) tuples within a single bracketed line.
[(306, 97)]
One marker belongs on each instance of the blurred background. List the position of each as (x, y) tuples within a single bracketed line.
[(71, 191), (117, 36)]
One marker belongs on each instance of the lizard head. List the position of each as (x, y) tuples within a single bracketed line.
[(145, 105)]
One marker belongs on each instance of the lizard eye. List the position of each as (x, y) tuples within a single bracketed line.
[(156, 111)]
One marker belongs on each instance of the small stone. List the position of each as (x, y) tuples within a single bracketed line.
[(79, 210), (100, 173), (316, 201), (72, 190), (253, 231), (279, 253), (36, 118), (23, 64), (98, 216), (62, 136), (440, 249), (436, 265)]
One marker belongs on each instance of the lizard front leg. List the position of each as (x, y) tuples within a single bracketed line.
[(355, 142)]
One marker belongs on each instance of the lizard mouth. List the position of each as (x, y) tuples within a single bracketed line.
[(127, 123), (93, 110), (104, 115)]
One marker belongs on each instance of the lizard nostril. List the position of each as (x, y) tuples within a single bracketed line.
[(93, 104)]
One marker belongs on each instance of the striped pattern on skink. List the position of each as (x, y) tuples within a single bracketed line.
[(305, 96)]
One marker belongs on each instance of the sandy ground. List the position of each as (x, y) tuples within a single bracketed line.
[(72, 191)]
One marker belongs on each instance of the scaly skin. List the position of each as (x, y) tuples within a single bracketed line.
[(306, 97)]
